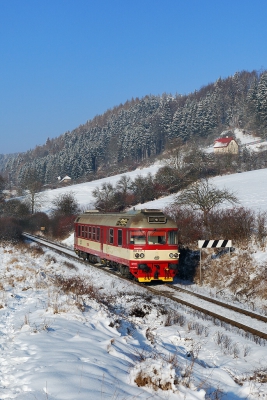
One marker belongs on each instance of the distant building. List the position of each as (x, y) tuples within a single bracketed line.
[(66, 179), (225, 145)]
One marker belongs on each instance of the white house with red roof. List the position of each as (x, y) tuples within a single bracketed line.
[(225, 145)]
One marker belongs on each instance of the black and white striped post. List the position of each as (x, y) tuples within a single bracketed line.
[(211, 244)]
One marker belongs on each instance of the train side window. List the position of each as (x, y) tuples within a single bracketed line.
[(98, 234), (111, 236), (83, 231), (172, 237), (89, 232), (93, 233), (119, 237), (79, 230)]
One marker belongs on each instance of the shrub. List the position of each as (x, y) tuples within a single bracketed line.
[(65, 204), (155, 373), (236, 224), (10, 229), (190, 224), (35, 222), (61, 226)]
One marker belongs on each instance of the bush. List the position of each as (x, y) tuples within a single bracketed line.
[(15, 208), (35, 222), (65, 204), (190, 224), (61, 226), (10, 229), (236, 224)]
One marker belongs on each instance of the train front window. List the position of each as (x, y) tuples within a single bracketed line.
[(137, 237), (172, 237), (156, 237)]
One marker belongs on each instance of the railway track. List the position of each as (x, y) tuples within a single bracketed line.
[(243, 319), (221, 303)]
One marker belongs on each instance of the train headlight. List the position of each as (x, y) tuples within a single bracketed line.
[(175, 255), (141, 255), (171, 255)]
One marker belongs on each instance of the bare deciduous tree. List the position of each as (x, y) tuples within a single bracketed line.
[(123, 190), (203, 196), (65, 204), (15, 208), (32, 188), (104, 197)]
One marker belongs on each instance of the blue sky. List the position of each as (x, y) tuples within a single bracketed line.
[(64, 61)]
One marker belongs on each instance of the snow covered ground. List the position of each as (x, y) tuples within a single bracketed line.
[(104, 339), (251, 142), (83, 191), (249, 187)]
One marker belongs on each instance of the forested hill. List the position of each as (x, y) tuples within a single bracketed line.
[(142, 128), (4, 159)]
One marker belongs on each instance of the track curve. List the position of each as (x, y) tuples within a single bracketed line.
[(243, 319)]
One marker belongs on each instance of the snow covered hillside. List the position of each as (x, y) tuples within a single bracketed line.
[(83, 191), (249, 187)]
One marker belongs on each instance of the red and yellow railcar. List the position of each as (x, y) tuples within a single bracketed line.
[(141, 244)]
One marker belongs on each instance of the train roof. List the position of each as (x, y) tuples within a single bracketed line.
[(146, 218)]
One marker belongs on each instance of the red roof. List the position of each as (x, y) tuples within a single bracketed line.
[(224, 139)]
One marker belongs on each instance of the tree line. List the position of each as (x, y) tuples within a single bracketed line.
[(130, 133), (22, 214)]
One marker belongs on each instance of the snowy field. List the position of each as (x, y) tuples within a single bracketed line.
[(103, 340), (250, 188)]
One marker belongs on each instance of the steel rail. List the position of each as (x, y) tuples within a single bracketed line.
[(220, 303)]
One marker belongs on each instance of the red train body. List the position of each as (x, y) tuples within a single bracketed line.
[(140, 244)]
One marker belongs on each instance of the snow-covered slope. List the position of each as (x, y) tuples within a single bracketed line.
[(83, 191), (250, 188), (251, 142)]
